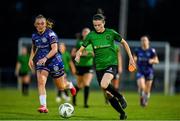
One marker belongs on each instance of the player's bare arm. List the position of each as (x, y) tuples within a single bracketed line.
[(131, 60), (79, 53), (53, 51), (154, 60)]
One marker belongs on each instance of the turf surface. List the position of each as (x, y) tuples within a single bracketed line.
[(14, 106)]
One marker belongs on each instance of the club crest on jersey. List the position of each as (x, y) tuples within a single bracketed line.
[(44, 40), (37, 40), (108, 37), (56, 68)]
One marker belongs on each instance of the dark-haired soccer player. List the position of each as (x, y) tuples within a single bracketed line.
[(102, 40), (145, 56), (47, 60)]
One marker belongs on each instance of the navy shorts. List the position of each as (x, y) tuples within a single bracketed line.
[(148, 75), (54, 67)]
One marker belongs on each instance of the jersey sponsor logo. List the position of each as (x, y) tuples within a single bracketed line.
[(101, 46), (44, 40)]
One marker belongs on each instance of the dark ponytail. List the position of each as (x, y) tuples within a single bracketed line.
[(99, 15)]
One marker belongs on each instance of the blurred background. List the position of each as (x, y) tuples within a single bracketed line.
[(132, 18)]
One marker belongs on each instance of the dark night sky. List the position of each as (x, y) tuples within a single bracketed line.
[(161, 22)]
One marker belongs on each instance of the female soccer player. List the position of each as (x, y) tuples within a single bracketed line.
[(102, 41), (145, 56), (23, 71), (47, 60), (84, 68), (68, 68)]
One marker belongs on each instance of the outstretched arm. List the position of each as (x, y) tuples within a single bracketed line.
[(33, 51), (131, 60), (79, 53)]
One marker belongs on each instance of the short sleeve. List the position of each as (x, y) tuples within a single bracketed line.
[(153, 52), (87, 40), (117, 47), (78, 44), (117, 36), (33, 35), (53, 37)]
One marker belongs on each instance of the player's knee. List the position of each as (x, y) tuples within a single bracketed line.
[(103, 85), (41, 84), (61, 86), (80, 85)]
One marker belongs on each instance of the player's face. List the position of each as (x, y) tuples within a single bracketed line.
[(40, 24), (85, 32), (145, 42), (62, 47), (98, 25), (24, 51)]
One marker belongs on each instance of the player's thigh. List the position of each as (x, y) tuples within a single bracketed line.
[(141, 82), (106, 79), (87, 78), (80, 81)]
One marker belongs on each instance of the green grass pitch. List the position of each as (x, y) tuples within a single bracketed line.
[(14, 106)]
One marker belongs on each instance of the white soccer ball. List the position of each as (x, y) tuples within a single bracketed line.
[(66, 110)]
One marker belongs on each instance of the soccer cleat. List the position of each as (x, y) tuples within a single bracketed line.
[(123, 102), (86, 106), (73, 91), (123, 117), (42, 109), (142, 102), (66, 98)]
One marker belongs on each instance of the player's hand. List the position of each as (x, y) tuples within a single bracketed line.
[(78, 55), (151, 61), (42, 61), (77, 59), (132, 65), (31, 64), (85, 53)]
